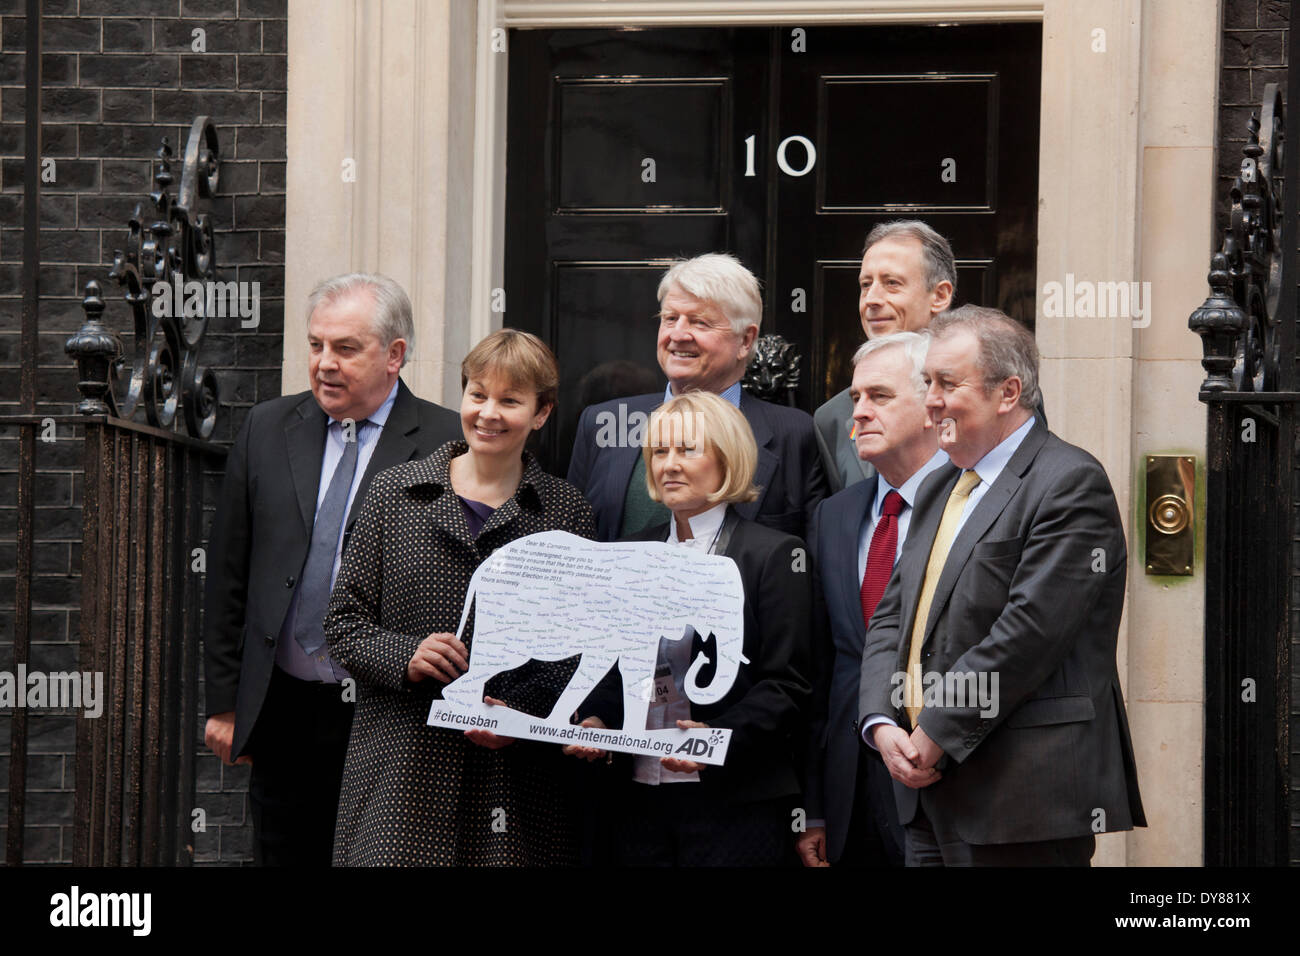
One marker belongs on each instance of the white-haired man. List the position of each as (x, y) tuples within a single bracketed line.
[(709, 314), (856, 537), (295, 479)]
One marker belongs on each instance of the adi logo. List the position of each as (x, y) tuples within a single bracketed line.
[(697, 747)]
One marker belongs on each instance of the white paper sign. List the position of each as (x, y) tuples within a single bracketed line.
[(553, 595)]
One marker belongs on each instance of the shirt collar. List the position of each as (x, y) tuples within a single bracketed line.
[(704, 526), (909, 488), (731, 393), (991, 465), (381, 413)]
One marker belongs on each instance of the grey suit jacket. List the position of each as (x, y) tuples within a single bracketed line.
[(839, 455), (1031, 592)]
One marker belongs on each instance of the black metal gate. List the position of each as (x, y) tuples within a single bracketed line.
[(140, 603), (1247, 327), (141, 491)]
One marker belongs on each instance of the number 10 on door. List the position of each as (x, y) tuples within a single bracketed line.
[(810, 155)]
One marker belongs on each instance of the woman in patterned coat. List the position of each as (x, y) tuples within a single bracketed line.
[(419, 795)]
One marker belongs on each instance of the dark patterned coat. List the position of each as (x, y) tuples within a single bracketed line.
[(414, 794)]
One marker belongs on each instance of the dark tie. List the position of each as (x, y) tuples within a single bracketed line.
[(880, 556), (318, 573)]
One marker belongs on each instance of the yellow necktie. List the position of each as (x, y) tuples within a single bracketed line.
[(933, 569)]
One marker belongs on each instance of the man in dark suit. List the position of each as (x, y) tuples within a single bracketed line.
[(908, 276), (710, 311), (989, 684), (856, 537), (294, 481)]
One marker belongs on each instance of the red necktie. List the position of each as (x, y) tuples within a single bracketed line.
[(880, 556)]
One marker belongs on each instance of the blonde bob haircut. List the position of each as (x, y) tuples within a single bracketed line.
[(706, 421), (521, 358)]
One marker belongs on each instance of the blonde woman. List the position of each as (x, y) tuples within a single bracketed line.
[(700, 458)]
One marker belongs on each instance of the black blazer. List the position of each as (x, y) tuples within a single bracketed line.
[(1032, 591), (262, 531), (831, 772), (789, 475), (763, 707)]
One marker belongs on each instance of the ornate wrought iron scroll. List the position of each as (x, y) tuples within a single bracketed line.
[(1239, 322), (773, 375), (170, 242)]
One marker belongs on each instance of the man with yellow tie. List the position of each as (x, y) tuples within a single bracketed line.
[(989, 685)]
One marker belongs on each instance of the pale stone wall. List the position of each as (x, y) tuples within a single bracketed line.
[(1167, 619), (381, 167)]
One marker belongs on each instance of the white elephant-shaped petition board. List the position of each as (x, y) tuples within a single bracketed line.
[(553, 595)]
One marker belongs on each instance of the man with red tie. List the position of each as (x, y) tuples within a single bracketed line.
[(855, 537)]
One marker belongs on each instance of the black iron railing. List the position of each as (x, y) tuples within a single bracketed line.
[(141, 520), (1247, 328)]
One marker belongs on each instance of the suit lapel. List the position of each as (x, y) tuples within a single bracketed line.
[(726, 545), (986, 512), (846, 553), (752, 409), (926, 514), (304, 439), (866, 469), (845, 449), (621, 462), (394, 447)]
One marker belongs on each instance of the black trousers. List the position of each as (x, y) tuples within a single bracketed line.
[(679, 824), (875, 837), (932, 844), (298, 747)]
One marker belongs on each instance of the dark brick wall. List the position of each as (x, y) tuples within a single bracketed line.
[(118, 76), (1253, 55)]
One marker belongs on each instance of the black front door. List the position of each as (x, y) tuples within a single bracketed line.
[(630, 148)]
